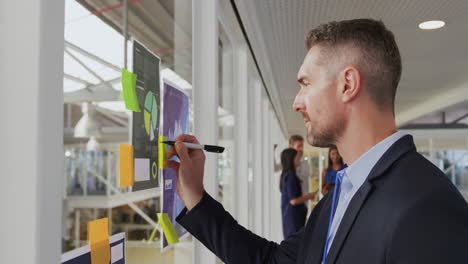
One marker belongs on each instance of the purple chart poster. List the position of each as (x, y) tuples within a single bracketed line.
[(175, 121)]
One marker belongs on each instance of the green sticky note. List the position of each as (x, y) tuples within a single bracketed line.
[(161, 151), (168, 228), (129, 90)]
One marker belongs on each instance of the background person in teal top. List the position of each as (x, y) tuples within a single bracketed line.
[(335, 163)]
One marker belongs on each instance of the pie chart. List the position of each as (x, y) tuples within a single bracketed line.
[(151, 115)]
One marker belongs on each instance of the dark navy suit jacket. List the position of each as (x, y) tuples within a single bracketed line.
[(407, 211)]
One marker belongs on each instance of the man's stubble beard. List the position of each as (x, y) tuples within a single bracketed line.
[(326, 137)]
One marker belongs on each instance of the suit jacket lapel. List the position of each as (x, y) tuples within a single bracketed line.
[(402, 146), (316, 242), (348, 220)]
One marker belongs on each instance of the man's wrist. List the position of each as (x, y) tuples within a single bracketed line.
[(194, 200)]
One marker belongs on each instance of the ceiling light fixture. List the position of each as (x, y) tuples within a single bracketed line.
[(432, 24)]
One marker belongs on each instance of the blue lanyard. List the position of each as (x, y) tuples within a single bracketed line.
[(332, 214)]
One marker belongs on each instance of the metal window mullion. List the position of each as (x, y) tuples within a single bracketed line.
[(205, 98)]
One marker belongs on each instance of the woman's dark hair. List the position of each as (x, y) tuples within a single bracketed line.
[(287, 162), (330, 162)]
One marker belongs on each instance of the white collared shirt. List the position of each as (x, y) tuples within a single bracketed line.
[(354, 177)]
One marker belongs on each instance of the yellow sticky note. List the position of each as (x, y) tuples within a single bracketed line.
[(168, 228), (126, 172), (98, 236), (161, 151), (129, 90)]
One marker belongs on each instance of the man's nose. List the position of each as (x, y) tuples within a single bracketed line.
[(298, 105)]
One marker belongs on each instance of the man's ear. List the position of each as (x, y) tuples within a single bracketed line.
[(350, 84)]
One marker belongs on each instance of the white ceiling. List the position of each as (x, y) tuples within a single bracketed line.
[(435, 63)]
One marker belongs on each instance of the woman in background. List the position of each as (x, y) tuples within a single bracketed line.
[(335, 164), (293, 208)]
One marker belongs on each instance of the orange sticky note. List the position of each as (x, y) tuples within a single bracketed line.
[(98, 236), (126, 171)]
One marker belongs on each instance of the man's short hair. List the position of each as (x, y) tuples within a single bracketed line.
[(294, 138), (378, 57)]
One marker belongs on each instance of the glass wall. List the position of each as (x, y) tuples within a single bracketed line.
[(454, 163), (226, 119), (95, 53), (94, 56), (253, 80), (448, 150)]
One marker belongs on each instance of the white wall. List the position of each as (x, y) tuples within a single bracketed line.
[(31, 139)]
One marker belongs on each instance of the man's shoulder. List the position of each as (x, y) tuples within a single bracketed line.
[(411, 189), (414, 169), (413, 178)]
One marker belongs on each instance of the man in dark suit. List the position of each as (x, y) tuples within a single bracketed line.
[(390, 205)]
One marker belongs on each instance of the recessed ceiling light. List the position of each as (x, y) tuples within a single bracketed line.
[(432, 24)]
